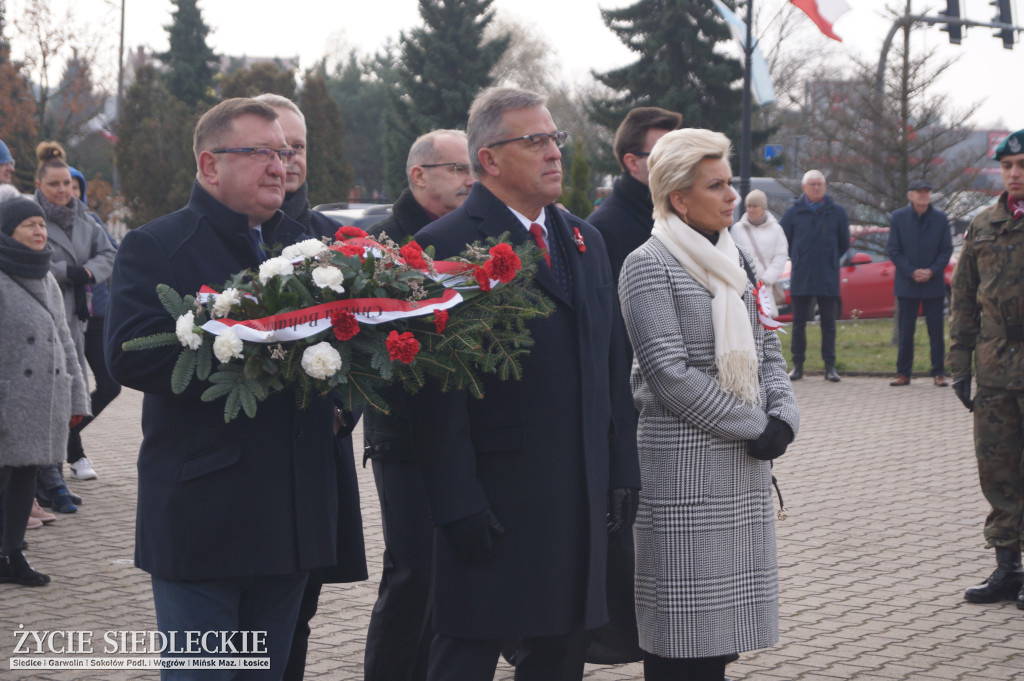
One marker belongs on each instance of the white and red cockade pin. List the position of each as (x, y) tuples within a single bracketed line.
[(766, 308), (578, 238)]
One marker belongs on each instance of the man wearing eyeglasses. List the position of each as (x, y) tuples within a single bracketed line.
[(399, 636), (231, 516), (525, 485)]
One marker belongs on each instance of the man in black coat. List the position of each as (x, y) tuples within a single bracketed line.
[(351, 560), (920, 245), (625, 220), (399, 636), (524, 484), (231, 516)]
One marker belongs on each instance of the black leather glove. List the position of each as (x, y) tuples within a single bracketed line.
[(81, 304), (622, 504), (962, 388), (78, 276), (471, 537), (772, 443)]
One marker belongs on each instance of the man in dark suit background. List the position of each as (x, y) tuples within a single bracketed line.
[(920, 245), (231, 516), (350, 565), (524, 484), (400, 632)]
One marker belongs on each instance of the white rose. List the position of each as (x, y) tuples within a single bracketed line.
[(309, 248), (227, 345), (275, 267), (329, 277), (185, 327), (225, 301), (321, 360)]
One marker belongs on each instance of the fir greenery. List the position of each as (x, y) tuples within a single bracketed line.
[(328, 174), (190, 61), (574, 192), (443, 66)]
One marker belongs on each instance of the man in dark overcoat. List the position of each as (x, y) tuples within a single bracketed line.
[(231, 516), (524, 484), (351, 560), (400, 633), (920, 245), (818, 231), (625, 220)]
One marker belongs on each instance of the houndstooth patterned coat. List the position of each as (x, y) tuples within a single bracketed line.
[(706, 569)]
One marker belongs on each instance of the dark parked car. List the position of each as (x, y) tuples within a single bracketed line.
[(865, 277)]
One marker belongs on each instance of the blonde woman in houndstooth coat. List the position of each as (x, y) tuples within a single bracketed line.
[(715, 407)]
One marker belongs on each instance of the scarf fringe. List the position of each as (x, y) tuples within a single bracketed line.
[(737, 374)]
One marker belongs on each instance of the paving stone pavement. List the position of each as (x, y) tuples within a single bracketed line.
[(883, 535)]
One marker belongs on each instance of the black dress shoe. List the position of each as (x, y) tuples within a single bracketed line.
[(797, 373), (831, 375), (1020, 599)]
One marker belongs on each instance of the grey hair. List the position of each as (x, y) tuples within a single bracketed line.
[(280, 102), (673, 163), (812, 175), (487, 118), (424, 149)]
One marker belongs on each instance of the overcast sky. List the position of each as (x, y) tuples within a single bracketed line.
[(310, 29)]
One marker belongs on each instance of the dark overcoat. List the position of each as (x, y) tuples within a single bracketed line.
[(541, 452), (919, 242), (254, 497), (625, 219), (817, 238)]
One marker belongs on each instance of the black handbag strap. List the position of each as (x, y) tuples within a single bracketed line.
[(32, 293)]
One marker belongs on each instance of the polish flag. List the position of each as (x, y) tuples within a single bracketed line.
[(824, 13)]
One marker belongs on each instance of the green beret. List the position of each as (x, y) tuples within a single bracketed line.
[(1013, 144)]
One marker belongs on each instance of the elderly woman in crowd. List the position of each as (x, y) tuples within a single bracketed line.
[(761, 234), (82, 256), (715, 407), (41, 381)]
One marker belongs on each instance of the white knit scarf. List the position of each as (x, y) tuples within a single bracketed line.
[(716, 267)]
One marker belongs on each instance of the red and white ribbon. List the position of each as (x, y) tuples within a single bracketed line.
[(766, 307)]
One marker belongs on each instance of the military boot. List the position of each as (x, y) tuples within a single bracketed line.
[(1004, 583)]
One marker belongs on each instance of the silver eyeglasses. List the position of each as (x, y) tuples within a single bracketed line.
[(262, 154), (453, 168), (538, 140)]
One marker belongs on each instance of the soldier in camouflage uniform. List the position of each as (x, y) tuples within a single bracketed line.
[(987, 321)]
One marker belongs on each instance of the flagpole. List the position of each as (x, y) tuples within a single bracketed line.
[(745, 141)]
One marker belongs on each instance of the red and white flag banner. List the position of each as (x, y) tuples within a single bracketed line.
[(824, 13), (309, 321)]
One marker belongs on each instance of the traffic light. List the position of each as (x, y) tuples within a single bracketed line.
[(1004, 16), (955, 31)]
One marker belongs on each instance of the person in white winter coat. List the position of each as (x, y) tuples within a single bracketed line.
[(761, 235)]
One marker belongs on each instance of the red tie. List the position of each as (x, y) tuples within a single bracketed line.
[(538, 236)]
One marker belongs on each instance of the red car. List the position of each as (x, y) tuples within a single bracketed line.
[(865, 277)]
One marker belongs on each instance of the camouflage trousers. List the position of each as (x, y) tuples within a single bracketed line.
[(999, 448)]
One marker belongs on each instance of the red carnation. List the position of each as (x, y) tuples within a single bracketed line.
[(349, 232), (351, 249), (504, 263), (345, 324), (412, 253), (483, 276), (440, 320), (402, 347)]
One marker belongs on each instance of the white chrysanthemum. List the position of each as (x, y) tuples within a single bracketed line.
[(185, 327), (329, 277), (309, 248), (226, 300), (227, 345), (321, 360), (275, 267)]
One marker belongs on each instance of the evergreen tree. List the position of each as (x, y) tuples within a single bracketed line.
[(154, 149), (328, 174), (574, 193), (678, 68), (444, 65), (254, 80), (190, 61), (362, 88)]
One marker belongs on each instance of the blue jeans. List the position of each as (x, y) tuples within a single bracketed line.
[(907, 321), (245, 604)]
